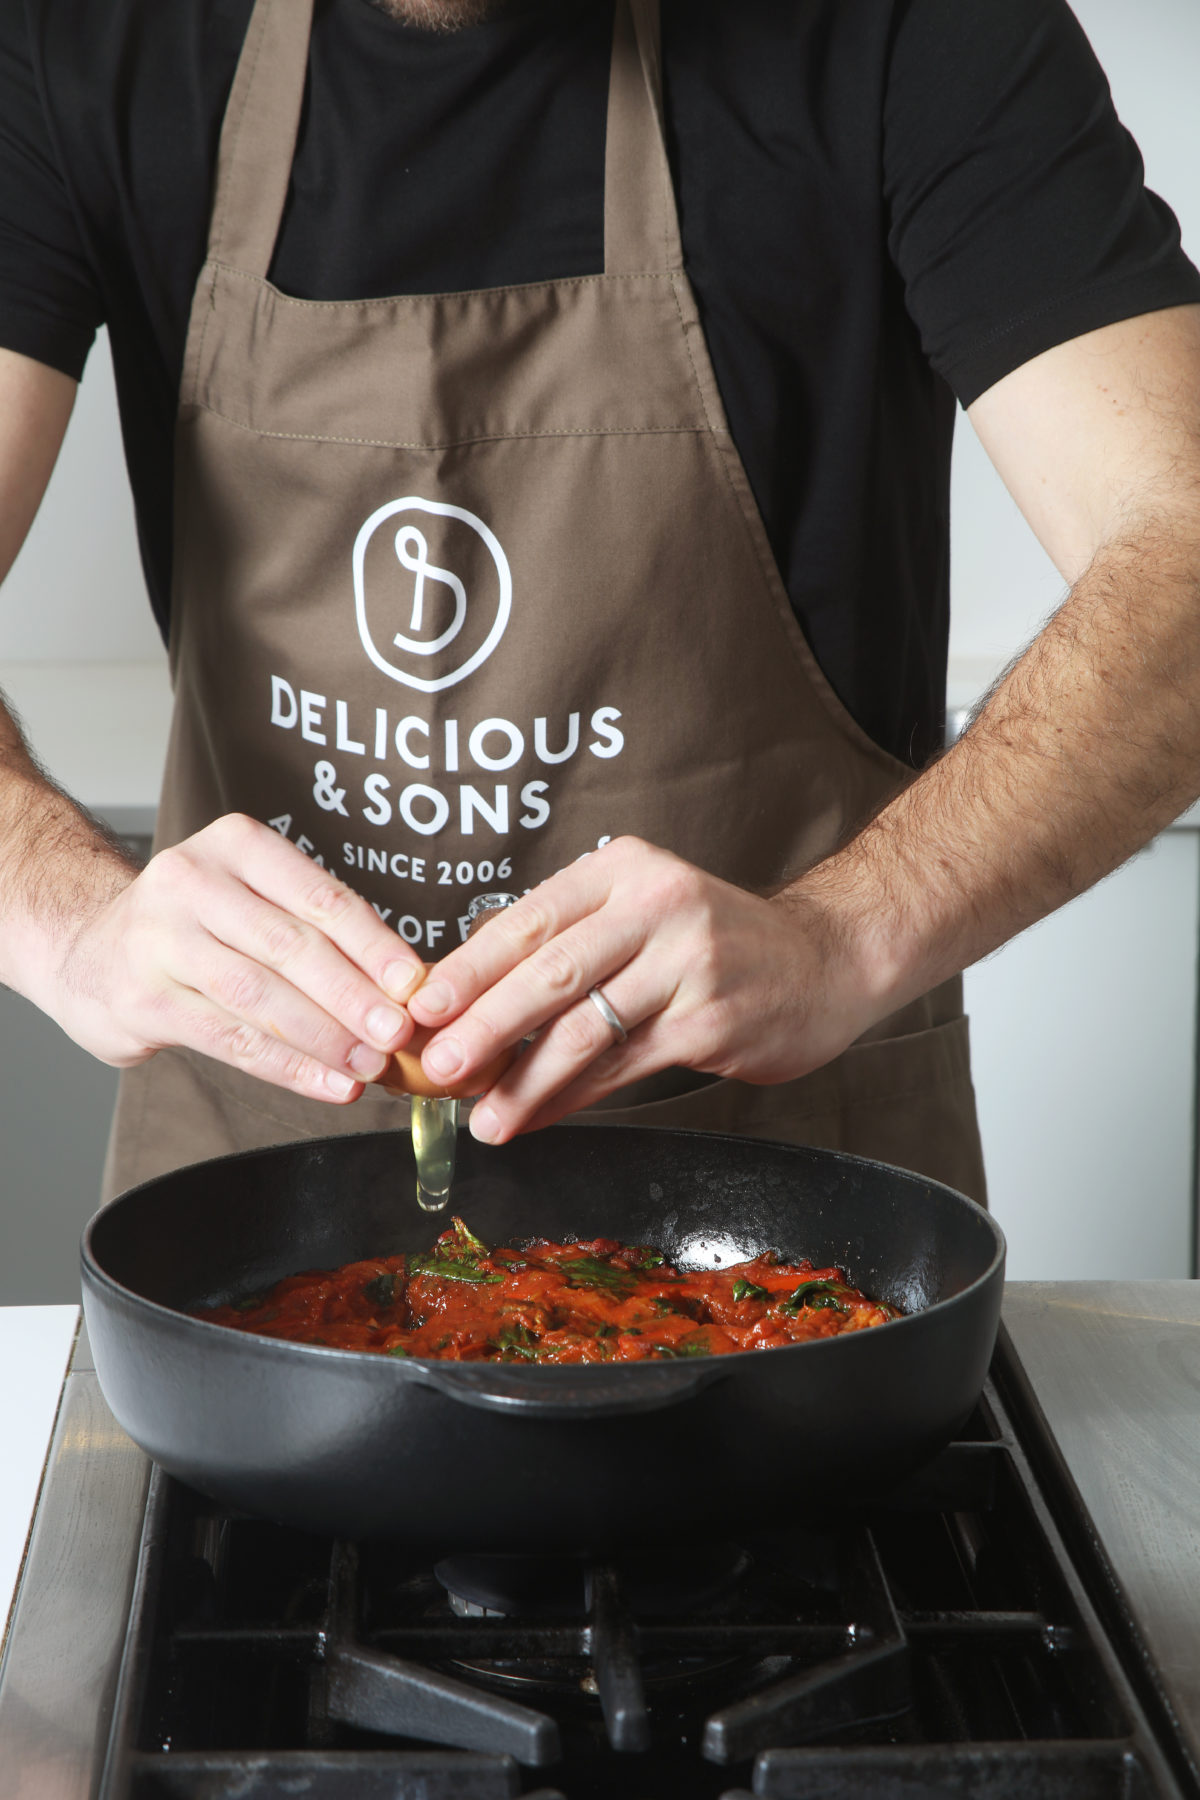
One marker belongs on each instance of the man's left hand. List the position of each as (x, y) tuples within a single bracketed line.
[(700, 973)]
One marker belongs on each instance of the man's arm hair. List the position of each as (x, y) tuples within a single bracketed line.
[(1089, 744)]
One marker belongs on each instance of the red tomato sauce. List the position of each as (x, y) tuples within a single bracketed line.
[(599, 1301)]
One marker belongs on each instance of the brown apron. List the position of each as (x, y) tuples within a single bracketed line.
[(466, 584)]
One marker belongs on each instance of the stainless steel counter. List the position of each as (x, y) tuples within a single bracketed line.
[(68, 1624), (1116, 1369)]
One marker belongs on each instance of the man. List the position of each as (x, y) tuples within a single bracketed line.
[(567, 573)]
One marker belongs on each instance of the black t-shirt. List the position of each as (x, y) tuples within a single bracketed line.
[(885, 204)]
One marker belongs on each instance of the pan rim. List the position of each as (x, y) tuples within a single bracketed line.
[(551, 1374)]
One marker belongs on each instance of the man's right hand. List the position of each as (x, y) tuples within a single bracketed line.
[(233, 943)]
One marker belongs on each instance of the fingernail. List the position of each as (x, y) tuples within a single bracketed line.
[(383, 1022), (341, 1085), (443, 1058), (367, 1062), (400, 978), (484, 1124), (436, 997)]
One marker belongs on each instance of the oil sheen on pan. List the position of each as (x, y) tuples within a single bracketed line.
[(599, 1301)]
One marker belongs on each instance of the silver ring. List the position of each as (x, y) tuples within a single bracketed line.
[(607, 1014)]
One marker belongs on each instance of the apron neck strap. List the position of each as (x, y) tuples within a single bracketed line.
[(641, 225), (258, 143), (258, 136)]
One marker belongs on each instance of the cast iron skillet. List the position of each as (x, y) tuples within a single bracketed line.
[(488, 1456)]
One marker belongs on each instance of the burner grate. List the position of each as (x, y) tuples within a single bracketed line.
[(356, 1685), (1063, 1771), (324, 1775), (939, 1644), (867, 1683)]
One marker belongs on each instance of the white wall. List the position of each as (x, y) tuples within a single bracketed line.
[(76, 592), (1003, 583), (1083, 1045)]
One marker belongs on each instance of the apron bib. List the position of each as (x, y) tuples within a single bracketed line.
[(467, 584)]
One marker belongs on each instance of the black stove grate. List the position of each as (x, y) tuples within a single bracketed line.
[(942, 1644)]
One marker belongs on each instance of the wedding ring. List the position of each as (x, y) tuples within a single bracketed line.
[(607, 1014)]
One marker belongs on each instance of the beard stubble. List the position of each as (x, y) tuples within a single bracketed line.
[(442, 15)]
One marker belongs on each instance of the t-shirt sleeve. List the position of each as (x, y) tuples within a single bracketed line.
[(49, 304), (1018, 211)]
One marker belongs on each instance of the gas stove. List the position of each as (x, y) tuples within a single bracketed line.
[(988, 1631)]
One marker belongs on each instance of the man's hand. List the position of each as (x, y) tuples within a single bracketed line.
[(1087, 748), (232, 943), (700, 973), (235, 944)]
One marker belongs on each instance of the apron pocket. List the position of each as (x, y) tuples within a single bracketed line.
[(907, 1100)]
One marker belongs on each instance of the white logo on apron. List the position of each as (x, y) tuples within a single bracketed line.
[(412, 553)]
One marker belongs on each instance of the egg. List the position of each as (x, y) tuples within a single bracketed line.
[(403, 1074)]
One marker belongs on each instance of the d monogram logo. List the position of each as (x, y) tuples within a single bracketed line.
[(412, 553)]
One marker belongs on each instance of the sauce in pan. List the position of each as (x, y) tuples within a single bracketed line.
[(599, 1301)]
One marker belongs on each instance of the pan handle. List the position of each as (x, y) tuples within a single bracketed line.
[(554, 1394)]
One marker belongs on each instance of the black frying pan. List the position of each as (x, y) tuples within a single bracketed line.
[(488, 1456)]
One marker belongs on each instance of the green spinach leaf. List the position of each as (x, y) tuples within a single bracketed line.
[(381, 1289), (592, 1272), (457, 1260), (453, 1271), (820, 1295), (465, 1241)]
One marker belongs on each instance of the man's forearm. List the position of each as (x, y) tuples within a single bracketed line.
[(57, 866), (1084, 750), (233, 944)]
